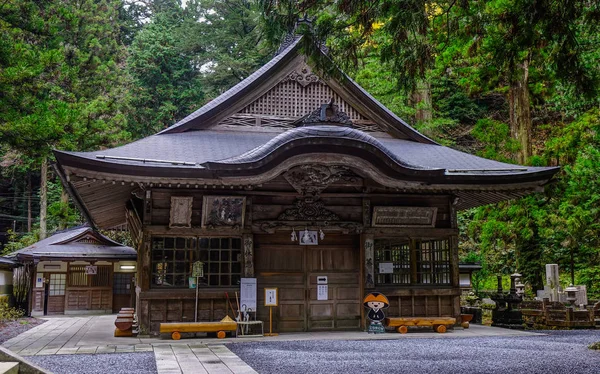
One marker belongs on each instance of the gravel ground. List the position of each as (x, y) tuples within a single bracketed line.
[(113, 363), (11, 329), (556, 353)]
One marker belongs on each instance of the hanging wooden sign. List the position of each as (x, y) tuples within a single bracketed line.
[(91, 270), (401, 216)]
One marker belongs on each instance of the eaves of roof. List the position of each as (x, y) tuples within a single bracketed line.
[(212, 154)]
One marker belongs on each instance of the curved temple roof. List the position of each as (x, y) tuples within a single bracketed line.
[(199, 149), (201, 154)]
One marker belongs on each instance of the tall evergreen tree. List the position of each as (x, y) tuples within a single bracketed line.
[(166, 80), (60, 79)]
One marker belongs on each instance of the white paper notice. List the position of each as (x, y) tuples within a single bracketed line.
[(386, 267), (248, 293), (322, 291)]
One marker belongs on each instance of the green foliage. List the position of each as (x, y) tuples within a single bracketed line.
[(496, 137), (16, 241), (8, 313), (229, 42), (123, 237)]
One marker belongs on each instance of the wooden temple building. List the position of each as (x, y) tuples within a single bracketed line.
[(78, 271), (287, 176)]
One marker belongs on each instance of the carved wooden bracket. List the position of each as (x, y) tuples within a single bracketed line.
[(308, 211), (313, 178)]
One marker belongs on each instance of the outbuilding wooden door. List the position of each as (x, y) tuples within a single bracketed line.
[(56, 287)]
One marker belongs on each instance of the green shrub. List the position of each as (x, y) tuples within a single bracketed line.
[(7, 313), (595, 346)]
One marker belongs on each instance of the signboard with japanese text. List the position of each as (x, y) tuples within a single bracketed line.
[(248, 293)]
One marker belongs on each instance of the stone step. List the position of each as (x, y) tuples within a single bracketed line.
[(9, 368)]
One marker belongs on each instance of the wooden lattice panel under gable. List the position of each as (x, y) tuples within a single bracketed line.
[(88, 239), (293, 100), (296, 95)]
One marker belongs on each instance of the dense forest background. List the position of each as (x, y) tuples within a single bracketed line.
[(512, 80)]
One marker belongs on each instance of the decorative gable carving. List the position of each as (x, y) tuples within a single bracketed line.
[(329, 114), (310, 180), (304, 76)]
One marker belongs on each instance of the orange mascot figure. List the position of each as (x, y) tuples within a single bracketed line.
[(376, 301)]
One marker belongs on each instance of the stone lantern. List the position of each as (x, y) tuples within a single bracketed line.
[(571, 294)]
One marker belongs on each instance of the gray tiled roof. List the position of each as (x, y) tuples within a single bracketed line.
[(6, 262), (52, 247), (200, 147)]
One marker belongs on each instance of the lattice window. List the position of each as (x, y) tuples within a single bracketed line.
[(290, 99), (102, 277), (78, 277), (57, 284), (392, 261), (173, 258), (433, 262), (122, 283)]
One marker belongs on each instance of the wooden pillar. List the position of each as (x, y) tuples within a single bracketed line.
[(144, 272), (367, 270), (143, 278), (455, 274), (147, 214), (248, 242), (368, 250)]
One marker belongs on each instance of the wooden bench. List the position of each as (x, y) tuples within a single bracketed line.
[(176, 328), (438, 323)]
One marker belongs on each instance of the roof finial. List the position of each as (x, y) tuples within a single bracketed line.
[(291, 36)]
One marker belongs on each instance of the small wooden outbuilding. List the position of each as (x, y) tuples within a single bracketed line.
[(290, 176), (79, 271), (6, 277)]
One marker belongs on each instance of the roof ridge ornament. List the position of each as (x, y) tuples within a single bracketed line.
[(327, 114), (292, 35)]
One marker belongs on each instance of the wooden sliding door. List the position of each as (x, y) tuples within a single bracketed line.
[(294, 269)]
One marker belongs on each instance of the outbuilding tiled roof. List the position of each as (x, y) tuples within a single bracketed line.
[(7, 263), (75, 244)]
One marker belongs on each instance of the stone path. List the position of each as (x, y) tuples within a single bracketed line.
[(92, 335), (95, 334)]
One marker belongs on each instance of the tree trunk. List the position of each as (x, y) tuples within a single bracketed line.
[(520, 115), (421, 100), (29, 202), (64, 203), (43, 198)]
